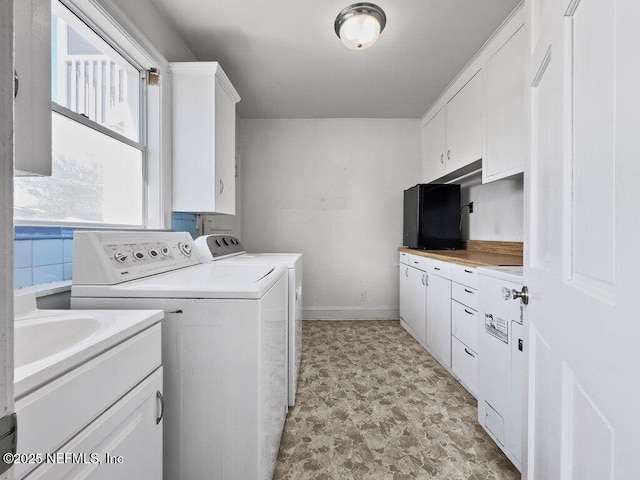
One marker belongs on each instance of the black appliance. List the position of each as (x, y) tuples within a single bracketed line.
[(432, 217)]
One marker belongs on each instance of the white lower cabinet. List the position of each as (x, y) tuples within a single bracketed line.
[(412, 282), (438, 307), (125, 442), (439, 318), (85, 420), (464, 330), (464, 324), (417, 301), (464, 364), (403, 283)]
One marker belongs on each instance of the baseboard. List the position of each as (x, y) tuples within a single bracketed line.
[(349, 313)]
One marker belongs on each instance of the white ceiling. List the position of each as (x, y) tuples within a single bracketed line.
[(286, 61)]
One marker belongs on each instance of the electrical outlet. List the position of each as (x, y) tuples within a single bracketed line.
[(470, 207), (363, 297)]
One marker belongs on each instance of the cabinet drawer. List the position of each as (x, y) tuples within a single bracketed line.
[(464, 325), (404, 258), (442, 269), (464, 364), (465, 295), (464, 275), (417, 261)]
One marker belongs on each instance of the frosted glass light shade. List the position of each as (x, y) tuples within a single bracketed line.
[(359, 25), (360, 31)]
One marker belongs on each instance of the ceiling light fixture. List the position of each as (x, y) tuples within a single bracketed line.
[(359, 25)]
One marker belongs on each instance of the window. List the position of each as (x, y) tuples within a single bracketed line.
[(98, 147)]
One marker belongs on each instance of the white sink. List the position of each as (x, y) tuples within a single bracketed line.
[(48, 343), (39, 338)]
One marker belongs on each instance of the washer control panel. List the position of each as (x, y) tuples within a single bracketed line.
[(128, 254), (217, 247), (113, 257)]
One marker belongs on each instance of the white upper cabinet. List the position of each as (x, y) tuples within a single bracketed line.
[(452, 138), (32, 19), (204, 137), (479, 119), (465, 121), (505, 79), (433, 147)]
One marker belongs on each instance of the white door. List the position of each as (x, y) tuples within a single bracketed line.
[(583, 195)]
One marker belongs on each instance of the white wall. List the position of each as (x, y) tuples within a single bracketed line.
[(498, 209), (152, 22), (331, 189)]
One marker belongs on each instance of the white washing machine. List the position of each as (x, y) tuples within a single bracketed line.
[(501, 358), (223, 346), (229, 249)]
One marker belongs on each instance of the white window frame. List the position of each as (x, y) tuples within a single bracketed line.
[(110, 22)]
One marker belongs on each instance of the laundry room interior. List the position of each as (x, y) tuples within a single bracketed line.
[(319, 240)]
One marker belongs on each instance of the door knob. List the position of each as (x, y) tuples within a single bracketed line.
[(522, 295)]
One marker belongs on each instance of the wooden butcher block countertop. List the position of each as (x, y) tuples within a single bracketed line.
[(477, 253)]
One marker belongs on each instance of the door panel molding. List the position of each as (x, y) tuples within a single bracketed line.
[(585, 430)]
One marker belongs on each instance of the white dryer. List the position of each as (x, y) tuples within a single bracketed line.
[(224, 346), (228, 249)]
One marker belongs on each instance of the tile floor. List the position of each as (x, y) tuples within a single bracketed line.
[(373, 404)]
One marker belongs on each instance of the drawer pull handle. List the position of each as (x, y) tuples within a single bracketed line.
[(467, 311), (161, 400), (469, 291), (469, 353), (436, 268), (416, 262), (468, 271)]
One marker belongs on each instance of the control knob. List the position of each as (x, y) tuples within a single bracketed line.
[(165, 251), (120, 257), (153, 252), (138, 255), (185, 248)]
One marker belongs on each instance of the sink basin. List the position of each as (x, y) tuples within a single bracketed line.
[(48, 343), (40, 338)]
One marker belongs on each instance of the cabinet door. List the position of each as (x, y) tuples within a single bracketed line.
[(465, 122), (33, 100), (439, 318), (225, 148), (433, 148), (417, 302), (204, 124), (404, 292), (129, 433), (505, 145)]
